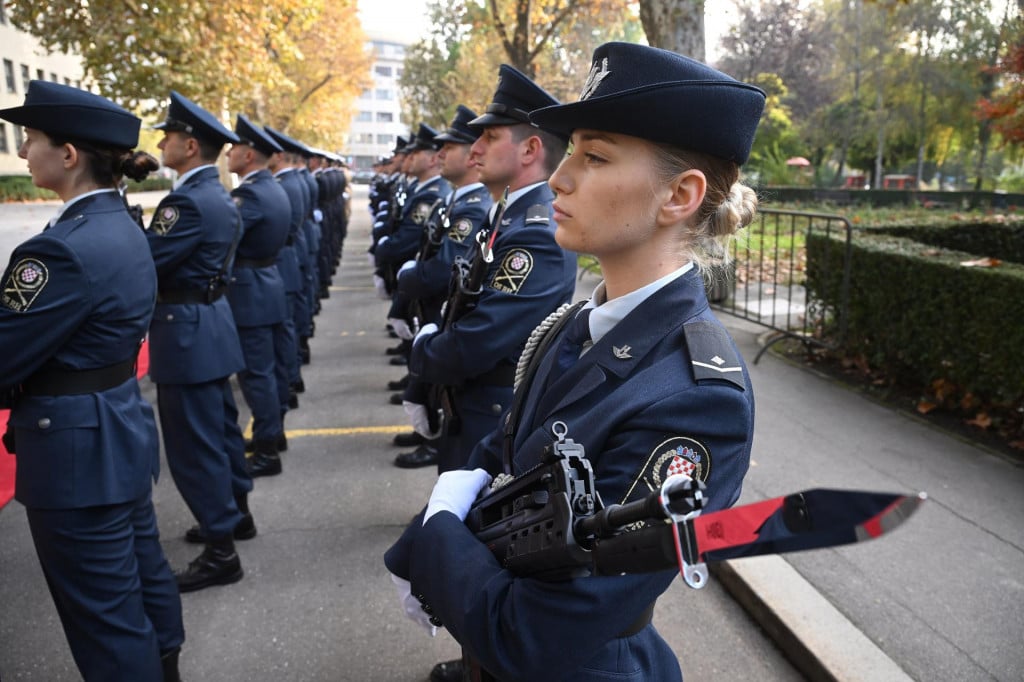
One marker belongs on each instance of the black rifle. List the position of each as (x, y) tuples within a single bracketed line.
[(464, 289)]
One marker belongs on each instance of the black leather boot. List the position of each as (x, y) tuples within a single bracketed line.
[(169, 664), (244, 529), (264, 461), (218, 564)]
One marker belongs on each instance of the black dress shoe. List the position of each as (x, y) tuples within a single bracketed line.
[(399, 361), (169, 665), (264, 464), (298, 386), (399, 385), (447, 671), (408, 440), (423, 456), (217, 565), (400, 349), (244, 530), (395, 399), (293, 400)]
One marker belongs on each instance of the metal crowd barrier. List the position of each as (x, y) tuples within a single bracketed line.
[(765, 281)]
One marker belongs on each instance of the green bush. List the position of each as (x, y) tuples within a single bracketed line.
[(20, 188), (1002, 241), (918, 315)]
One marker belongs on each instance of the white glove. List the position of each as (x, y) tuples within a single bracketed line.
[(420, 420), (407, 265), (384, 240), (411, 605), (425, 330), (401, 328), (379, 223), (382, 290), (382, 206), (455, 491), (318, 215)]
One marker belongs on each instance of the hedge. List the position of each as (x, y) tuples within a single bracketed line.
[(1002, 241), (918, 314)]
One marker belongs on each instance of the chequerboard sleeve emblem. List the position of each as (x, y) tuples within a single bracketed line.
[(513, 271), (676, 455), (165, 219), (460, 230), (26, 280)]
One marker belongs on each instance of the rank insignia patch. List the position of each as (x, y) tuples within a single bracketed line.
[(27, 279), (165, 219), (513, 271), (678, 455), (420, 213), (460, 230)]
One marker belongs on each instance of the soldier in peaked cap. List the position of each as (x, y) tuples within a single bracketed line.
[(644, 377), (194, 347), (257, 297), (451, 228), (529, 277), (285, 166), (75, 306)]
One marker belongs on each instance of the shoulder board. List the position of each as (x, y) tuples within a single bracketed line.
[(538, 214), (712, 354)]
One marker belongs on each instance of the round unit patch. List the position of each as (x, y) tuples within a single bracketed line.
[(513, 271), (164, 219), (27, 279), (460, 230), (680, 456)]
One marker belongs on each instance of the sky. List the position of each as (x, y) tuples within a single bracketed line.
[(406, 21)]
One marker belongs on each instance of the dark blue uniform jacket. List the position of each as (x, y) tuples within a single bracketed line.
[(642, 400)]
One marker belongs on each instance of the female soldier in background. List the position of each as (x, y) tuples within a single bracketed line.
[(76, 303), (651, 189)]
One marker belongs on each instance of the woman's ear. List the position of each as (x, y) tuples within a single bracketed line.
[(686, 194), (70, 156)]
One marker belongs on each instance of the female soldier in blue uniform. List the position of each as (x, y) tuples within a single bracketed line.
[(76, 303), (660, 386)]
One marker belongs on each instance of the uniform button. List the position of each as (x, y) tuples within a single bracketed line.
[(496, 408), (170, 317), (44, 423)]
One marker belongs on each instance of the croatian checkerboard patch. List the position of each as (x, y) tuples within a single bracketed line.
[(460, 230), (165, 219), (26, 280), (513, 271), (676, 455)]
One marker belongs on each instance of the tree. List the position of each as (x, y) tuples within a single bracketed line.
[(226, 56), (676, 25)]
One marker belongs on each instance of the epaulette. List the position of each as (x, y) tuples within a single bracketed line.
[(712, 354), (538, 214)]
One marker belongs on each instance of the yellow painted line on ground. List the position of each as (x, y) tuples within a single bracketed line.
[(344, 431)]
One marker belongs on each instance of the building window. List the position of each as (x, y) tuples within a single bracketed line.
[(40, 75), (362, 138), (382, 71), (3, 139), (385, 117), (19, 137), (26, 76), (54, 78), (3, 13), (67, 82), (383, 93), (12, 85), (366, 94), (385, 138), (398, 72), (364, 116)]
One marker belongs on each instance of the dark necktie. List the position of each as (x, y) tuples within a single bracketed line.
[(577, 333)]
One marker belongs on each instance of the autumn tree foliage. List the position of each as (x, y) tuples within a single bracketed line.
[(1006, 109), (295, 63)]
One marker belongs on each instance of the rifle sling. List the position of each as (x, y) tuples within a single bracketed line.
[(519, 399)]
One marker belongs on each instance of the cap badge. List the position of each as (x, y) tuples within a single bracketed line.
[(594, 79)]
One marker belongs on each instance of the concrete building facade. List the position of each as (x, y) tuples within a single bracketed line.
[(22, 59), (378, 118)]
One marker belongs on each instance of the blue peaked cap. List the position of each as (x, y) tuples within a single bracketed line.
[(63, 111), (254, 136), (459, 131), (185, 116), (663, 97)]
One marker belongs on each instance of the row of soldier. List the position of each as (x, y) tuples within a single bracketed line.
[(229, 285), (464, 252)]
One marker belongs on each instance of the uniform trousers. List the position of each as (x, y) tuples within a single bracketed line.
[(258, 381), (286, 348), (205, 451), (113, 589)]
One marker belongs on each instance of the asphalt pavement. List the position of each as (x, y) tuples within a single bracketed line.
[(939, 599)]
